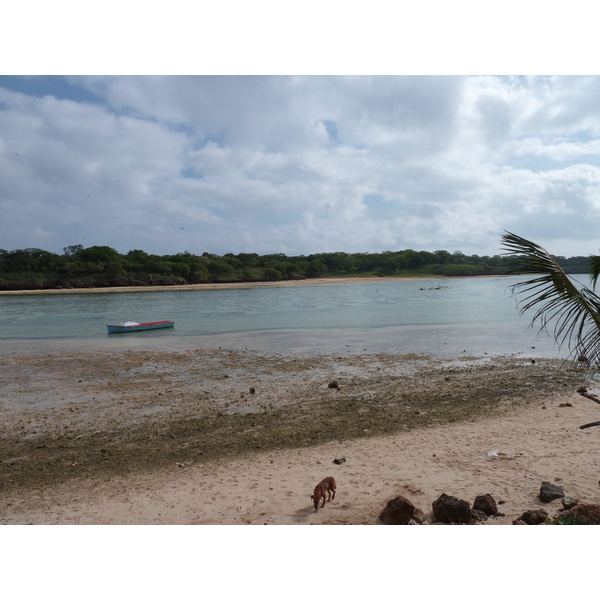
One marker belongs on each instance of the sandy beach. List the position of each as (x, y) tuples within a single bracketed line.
[(224, 437), (217, 286)]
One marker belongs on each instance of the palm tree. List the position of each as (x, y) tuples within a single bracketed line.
[(574, 310)]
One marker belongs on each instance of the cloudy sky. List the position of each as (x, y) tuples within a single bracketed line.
[(263, 151), (299, 164)]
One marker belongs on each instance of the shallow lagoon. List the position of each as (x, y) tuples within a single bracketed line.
[(440, 318)]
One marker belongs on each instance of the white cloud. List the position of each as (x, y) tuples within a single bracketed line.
[(302, 164)]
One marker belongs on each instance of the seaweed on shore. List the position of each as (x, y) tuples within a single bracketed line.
[(198, 409)]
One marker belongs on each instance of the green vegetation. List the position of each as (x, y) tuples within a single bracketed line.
[(102, 266), (574, 310)]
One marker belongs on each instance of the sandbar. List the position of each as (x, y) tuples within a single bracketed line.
[(235, 285)]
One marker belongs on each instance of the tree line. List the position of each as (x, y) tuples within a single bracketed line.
[(102, 266)]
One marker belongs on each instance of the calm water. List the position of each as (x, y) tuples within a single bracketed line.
[(473, 315)]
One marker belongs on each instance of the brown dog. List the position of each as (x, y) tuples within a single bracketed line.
[(325, 488)]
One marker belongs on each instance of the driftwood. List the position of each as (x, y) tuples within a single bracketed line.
[(590, 397), (595, 399)]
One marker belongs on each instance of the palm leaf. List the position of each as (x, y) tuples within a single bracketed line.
[(555, 298), (594, 268)]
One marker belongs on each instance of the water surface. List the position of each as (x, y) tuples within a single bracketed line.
[(463, 315)]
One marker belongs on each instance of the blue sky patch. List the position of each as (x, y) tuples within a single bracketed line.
[(48, 85)]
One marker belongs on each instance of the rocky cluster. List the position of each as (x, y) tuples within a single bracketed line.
[(450, 510)]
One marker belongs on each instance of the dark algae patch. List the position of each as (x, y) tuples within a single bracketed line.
[(95, 415)]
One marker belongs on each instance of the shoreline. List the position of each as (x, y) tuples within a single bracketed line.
[(236, 285), (181, 438)]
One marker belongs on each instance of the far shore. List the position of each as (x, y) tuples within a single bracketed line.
[(232, 286)]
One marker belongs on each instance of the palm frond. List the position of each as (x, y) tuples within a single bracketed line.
[(594, 268), (555, 298)]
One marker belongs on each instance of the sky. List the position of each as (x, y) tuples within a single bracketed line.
[(267, 160)]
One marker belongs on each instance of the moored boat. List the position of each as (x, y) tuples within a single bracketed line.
[(127, 326)]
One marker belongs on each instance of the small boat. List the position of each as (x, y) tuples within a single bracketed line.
[(127, 326)]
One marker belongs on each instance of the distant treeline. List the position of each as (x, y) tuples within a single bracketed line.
[(102, 266)]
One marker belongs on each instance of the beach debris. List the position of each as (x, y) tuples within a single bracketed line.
[(253, 390), (583, 391), (180, 464), (449, 509), (532, 517), (339, 461), (549, 492), (568, 502), (491, 454), (437, 287), (565, 405), (486, 504), (334, 385), (398, 511)]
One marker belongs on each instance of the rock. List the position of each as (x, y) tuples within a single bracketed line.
[(549, 492), (532, 517), (565, 405), (334, 385), (398, 511), (582, 514), (252, 390), (449, 509), (418, 518), (568, 502), (339, 461), (479, 515), (486, 504)]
